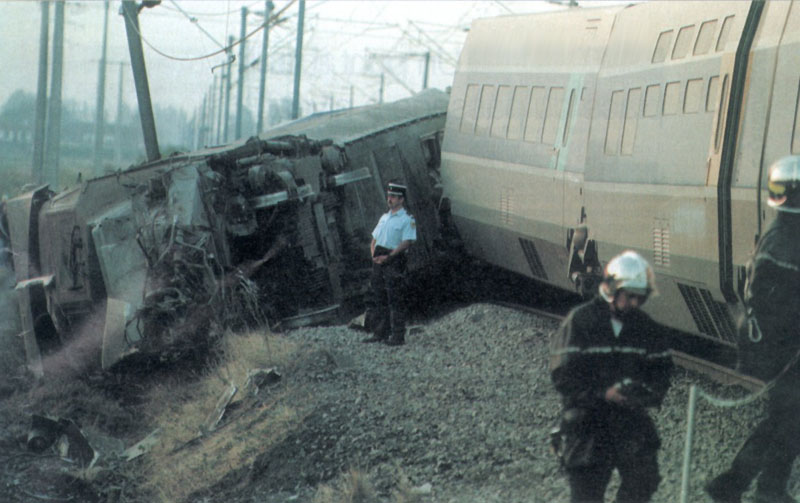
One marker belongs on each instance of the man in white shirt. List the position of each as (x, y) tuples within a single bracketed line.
[(395, 233)]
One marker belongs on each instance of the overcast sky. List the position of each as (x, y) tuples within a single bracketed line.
[(346, 43)]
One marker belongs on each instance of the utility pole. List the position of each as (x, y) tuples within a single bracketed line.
[(99, 119), (119, 115), (131, 14), (229, 67), (240, 83), (380, 92), (212, 114), (41, 96), (262, 87), (427, 66), (200, 124), (218, 137), (53, 138), (298, 60), (351, 96)]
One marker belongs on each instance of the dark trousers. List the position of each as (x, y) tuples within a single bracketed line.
[(386, 309), (604, 438), (773, 446), (639, 480)]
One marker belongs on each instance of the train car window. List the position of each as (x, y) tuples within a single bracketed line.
[(519, 106), (795, 132), (721, 115), (683, 42), (536, 108), (693, 98), (723, 33), (502, 110), (672, 98), (652, 97), (663, 44), (614, 126), (631, 120), (711, 97), (555, 103), (470, 109), (705, 38), (569, 117), (485, 110)]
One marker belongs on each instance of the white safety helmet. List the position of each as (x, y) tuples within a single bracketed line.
[(784, 184), (628, 271)]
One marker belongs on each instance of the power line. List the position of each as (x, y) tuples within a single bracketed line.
[(223, 49)]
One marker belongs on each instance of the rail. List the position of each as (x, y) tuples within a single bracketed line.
[(713, 371)]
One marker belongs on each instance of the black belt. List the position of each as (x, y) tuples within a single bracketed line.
[(380, 250)]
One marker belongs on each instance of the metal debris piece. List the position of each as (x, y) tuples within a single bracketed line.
[(43, 433), (73, 445), (142, 446), (260, 378), (216, 416)]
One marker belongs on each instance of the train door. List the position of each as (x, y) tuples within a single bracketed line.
[(782, 132), (768, 126), (570, 187)]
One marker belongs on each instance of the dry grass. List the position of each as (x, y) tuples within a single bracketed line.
[(355, 487), (186, 461)]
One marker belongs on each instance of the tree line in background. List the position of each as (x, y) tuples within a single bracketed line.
[(123, 143)]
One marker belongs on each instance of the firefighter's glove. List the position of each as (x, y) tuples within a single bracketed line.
[(637, 393)]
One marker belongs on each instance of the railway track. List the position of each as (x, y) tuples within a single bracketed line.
[(713, 371)]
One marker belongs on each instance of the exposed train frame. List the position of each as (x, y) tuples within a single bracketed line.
[(273, 229), (581, 133)]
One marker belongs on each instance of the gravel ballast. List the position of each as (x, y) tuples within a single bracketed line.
[(461, 413)]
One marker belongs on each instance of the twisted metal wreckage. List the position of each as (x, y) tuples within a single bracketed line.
[(270, 230)]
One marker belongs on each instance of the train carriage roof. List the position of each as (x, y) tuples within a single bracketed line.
[(533, 42), (344, 126)]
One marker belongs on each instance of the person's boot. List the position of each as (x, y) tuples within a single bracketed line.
[(725, 488), (374, 338)]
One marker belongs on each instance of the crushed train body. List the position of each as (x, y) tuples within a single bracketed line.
[(270, 230)]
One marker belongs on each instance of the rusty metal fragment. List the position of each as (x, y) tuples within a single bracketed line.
[(216, 415)]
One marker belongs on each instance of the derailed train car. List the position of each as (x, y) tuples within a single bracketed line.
[(582, 133), (274, 229)]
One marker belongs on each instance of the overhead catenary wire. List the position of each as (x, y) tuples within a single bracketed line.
[(223, 49)]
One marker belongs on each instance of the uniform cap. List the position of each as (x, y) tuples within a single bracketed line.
[(396, 189)]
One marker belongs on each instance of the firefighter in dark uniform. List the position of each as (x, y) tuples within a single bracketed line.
[(610, 361), (769, 348), (395, 233)]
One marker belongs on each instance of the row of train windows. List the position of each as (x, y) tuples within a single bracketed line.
[(686, 34), (533, 113), (516, 112), (626, 106)]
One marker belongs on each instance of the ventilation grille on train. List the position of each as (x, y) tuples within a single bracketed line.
[(711, 317), (661, 244), (532, 256)]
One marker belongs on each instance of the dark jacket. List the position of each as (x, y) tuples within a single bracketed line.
[(586, 359), (770, 336)]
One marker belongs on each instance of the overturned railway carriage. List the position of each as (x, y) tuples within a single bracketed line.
[(274, 229), (582, 133)]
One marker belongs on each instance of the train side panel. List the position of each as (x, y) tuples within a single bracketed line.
[(659, 120), (515, 143)]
